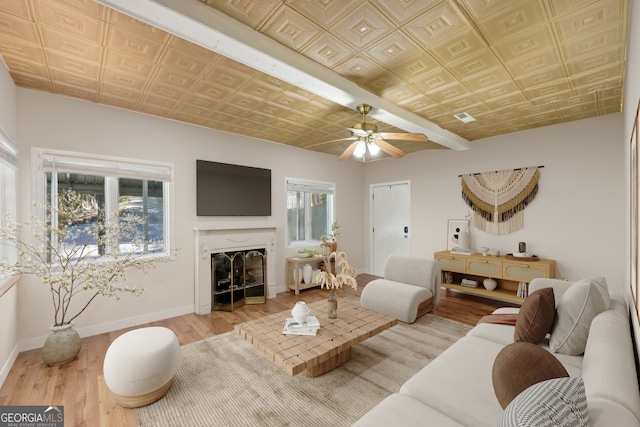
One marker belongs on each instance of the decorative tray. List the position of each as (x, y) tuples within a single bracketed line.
[(518, 258)]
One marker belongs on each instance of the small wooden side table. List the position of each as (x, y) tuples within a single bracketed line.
[(294, 281)]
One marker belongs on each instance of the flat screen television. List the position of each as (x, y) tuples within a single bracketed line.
[(232, 190)]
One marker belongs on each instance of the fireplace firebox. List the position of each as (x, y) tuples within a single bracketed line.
[(238, 278)]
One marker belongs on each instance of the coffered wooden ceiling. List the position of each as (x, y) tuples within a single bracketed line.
[(512, 65)]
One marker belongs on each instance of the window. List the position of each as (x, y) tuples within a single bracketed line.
[(310, 211), (83, 190), (8, 189)]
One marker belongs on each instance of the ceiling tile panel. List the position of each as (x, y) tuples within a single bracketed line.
[(69, 20), (480, 61), (525, 44), (358, 68), (328, 50), (20, 65), (505, 100), (362, 26), (614, 55), (593, 42), (89, 7), (541, 77), (15, 31), (518, 17), (292, 29), (120, 91), (71, 64), (122, 78), (437, 24), (184, 63), (434, 81), (18, 8), (139, 28), (529, 64), (69, 45), (458, 47), (74, 91), (487, 79), (392, 49), (250, 12), (402, 11), (593, 17), (23, 53), (108, 99), (132, 44), (129, 64), (380, 83)]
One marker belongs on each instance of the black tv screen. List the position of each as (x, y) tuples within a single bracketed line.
[(232, 190)]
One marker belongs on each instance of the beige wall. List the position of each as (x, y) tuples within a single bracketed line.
[(577, 217)]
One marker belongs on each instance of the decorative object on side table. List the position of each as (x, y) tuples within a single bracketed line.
[(329, 241), (345, 275), (64, 256)]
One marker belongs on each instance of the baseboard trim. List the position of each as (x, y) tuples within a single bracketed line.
[(102, 328)]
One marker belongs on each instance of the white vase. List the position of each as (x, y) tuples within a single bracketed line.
[(307, 273), (300, 312), (490, 284)]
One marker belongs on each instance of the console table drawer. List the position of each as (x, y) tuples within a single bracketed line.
[(484, 268), (523, 273), (452, 264)]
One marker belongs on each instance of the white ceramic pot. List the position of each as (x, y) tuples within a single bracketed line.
[(490, 284), (307, 273), (300, 312)]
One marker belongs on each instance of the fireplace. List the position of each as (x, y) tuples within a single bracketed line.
[(257, 241), (238, 278)]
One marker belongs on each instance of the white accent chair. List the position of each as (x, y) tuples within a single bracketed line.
[(410, 288)]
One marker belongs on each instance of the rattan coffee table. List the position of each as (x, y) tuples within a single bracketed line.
[(315, 355)]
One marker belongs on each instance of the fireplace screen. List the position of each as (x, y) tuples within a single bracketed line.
[(237, 278)]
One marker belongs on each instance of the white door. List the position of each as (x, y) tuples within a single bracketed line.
[(390, 214)]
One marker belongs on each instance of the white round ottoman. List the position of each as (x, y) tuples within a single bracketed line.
[(140, 364)]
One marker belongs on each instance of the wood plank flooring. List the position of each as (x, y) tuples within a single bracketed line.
[(79, 385)]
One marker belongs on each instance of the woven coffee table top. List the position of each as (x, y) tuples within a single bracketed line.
[(314, 355)]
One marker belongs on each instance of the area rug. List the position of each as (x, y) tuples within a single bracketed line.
[(224, 381)]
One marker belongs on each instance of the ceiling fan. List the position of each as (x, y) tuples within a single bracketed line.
[(366, 138)]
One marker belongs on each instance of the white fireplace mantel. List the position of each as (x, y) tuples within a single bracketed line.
[(209, 241)]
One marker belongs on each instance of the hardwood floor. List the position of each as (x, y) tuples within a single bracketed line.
[(79, 385)]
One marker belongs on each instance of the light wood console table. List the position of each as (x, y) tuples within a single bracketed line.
[(506, 272)]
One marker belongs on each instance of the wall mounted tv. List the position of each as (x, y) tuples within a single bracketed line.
[(232, 190)]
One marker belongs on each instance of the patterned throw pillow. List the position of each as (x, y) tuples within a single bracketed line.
[(560, 402)]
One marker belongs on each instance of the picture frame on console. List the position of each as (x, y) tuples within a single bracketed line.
[(454, 228)]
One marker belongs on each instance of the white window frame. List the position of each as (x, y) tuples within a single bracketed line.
[(8, 190), (46, 160), (311, 186)]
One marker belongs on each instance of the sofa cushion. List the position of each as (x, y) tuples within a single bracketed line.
[(520, 365), (551, 403), (535, 317), (578, 306)]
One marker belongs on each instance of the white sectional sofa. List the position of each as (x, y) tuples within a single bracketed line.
[(456, 389)]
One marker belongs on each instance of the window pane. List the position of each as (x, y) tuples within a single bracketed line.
[(80, 201), (309, 214), (143, 199)]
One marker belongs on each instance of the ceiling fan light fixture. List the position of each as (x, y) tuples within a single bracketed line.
[(360, 149), (373, 148)]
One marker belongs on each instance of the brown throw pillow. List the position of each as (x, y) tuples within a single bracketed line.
[(520, 365), (535, 318)]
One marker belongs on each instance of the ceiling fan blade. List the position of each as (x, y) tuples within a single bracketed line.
[(405, 136), (358, 132), (349, 151), (390, 149), (329, 142)]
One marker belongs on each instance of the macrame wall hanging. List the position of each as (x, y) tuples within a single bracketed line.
[(498, 198)]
